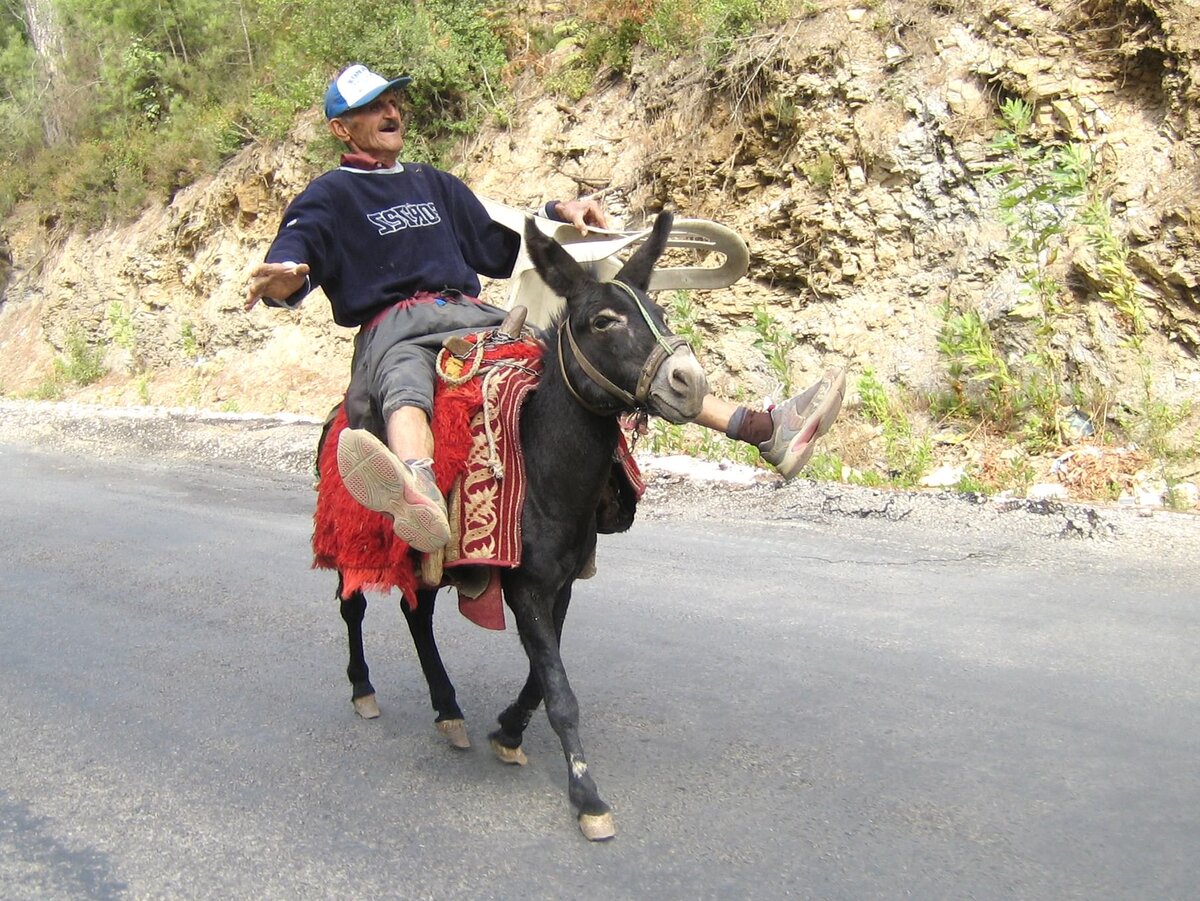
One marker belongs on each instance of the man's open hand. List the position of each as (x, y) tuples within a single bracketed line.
[(277, 281)]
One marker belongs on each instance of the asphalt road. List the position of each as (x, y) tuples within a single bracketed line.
[(787, 709)]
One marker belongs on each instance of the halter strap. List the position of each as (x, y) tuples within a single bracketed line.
[(637, 301), (665, 347)]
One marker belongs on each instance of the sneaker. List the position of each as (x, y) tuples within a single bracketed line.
[(800, 421), (407, 492)]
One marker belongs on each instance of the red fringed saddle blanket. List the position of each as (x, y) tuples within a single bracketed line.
[(480, 470)]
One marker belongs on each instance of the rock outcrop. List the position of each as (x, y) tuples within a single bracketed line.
[(851, 147)]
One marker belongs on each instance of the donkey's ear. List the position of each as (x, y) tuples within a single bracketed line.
[(636, 272), (557, 268)]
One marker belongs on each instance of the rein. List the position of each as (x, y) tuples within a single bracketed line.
[(664, 347)]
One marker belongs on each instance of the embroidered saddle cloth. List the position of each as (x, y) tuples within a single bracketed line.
[(479, 468)]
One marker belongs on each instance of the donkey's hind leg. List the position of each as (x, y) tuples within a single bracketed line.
[(506, 741), (441, 691), (354, 608)]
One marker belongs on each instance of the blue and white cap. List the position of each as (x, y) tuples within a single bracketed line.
[(357, 86)]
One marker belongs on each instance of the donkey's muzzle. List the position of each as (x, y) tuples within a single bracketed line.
[(678, 388)]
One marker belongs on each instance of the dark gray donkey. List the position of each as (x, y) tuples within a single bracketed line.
[(609, 352)]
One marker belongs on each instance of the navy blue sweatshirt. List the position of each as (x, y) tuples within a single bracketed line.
[(374, 237)]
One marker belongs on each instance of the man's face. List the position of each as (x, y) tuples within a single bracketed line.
[(376, 129)]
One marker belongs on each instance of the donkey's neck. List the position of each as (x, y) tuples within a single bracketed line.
[(575, 424)]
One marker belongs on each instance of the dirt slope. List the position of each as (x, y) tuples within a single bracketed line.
[(851, 147)]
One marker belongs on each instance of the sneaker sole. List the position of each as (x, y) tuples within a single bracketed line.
[(817, 425), (832, 405), (381, 483)]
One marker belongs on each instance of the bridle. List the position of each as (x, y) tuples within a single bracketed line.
[(664, 347)]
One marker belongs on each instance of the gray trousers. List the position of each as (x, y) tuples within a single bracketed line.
[(394, 358)]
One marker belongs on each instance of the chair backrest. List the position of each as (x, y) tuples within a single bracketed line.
[(604, 249)]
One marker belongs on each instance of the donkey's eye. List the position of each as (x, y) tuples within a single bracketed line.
[(602, 322)]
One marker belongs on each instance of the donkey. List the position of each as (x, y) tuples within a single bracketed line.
[(608, 352)]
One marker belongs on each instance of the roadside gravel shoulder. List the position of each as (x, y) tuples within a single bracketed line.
[(1045, 531)]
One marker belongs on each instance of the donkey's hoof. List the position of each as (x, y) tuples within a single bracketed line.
[(366, 707), (509, 755), (597, 828), (455, 732)]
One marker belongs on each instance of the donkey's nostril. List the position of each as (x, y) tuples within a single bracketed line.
[(685, 371)]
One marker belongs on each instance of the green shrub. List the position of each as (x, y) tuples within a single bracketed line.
[(775, 343), (161, 94), (83, 363), (908, 454), (713, 26), (684, 318)]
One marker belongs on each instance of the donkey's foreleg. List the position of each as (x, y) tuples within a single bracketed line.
[(449, 720), (353, 609), (506, 741), (539, 636)]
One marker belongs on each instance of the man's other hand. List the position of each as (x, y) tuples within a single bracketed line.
[(277, 281), (582, 213)]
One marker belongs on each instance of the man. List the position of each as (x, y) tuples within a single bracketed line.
[(398, 249)]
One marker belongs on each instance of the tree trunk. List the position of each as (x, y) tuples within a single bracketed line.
[(46, 37)]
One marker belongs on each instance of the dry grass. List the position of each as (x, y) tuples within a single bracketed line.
[(1095, 472)]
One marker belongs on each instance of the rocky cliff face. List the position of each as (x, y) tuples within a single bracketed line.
[(853, 150)]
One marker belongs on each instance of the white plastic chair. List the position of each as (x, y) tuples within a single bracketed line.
[(603, 249)]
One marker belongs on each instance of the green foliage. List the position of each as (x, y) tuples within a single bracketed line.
[(829, 467), (155, 93), (604, 38), (824, 467), (980, 382), (50, 388), (120, 326), (1152, 423), (1041, 184), (820, 171), (19, 126), (1049, 194), (713, 26), (1120, 285), (83, 363), (908, 454), (775, 343), (448, 47), (667, 438), (985, 388), (188, 340), (684, 319), (162, 91), (971, 484)]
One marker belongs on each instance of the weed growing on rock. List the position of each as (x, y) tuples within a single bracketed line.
[(685, 320), (775, 342), (1153, 422), (908, 454), (188, 341), (83, 363), (120, 326), (1119, 286)]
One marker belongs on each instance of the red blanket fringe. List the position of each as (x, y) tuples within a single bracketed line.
[(360, 543)]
